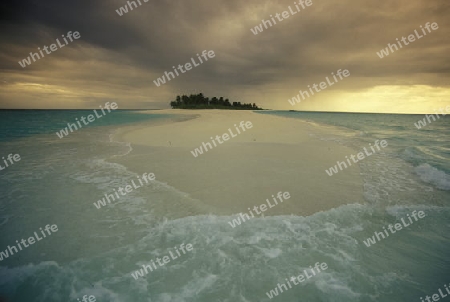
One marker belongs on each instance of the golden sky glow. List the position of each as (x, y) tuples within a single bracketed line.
[(118, 57)]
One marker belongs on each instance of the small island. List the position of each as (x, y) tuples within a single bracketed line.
[(198, 101)]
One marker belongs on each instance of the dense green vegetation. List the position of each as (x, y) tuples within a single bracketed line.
[(198, 101)]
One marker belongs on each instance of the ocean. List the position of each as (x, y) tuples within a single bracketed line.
[(95, 250)]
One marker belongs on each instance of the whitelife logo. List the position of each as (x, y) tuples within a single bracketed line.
[(323, 85), (411, 38), (65, 132), (11, 250), (27, 61), (360, 155), (284, 15), (160, 81), (128, 189), (436, 297), (371, 240), (165, 260), (225, 137), (297, 279), (91, 298), (15, 157), (124, 9), (235, 222), (422, 123)]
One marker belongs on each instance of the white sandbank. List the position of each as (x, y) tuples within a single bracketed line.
[(276, 154)]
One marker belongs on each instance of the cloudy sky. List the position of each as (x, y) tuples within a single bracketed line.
[(118, 57)]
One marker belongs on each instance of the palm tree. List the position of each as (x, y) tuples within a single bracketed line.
[(200, 101)]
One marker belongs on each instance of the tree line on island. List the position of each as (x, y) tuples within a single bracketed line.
[(198, 101)]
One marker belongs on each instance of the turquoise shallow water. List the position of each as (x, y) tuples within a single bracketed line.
[(95, 251), (24, 123), (426, 149)]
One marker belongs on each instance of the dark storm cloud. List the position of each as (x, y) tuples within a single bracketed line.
[(122, 55)]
